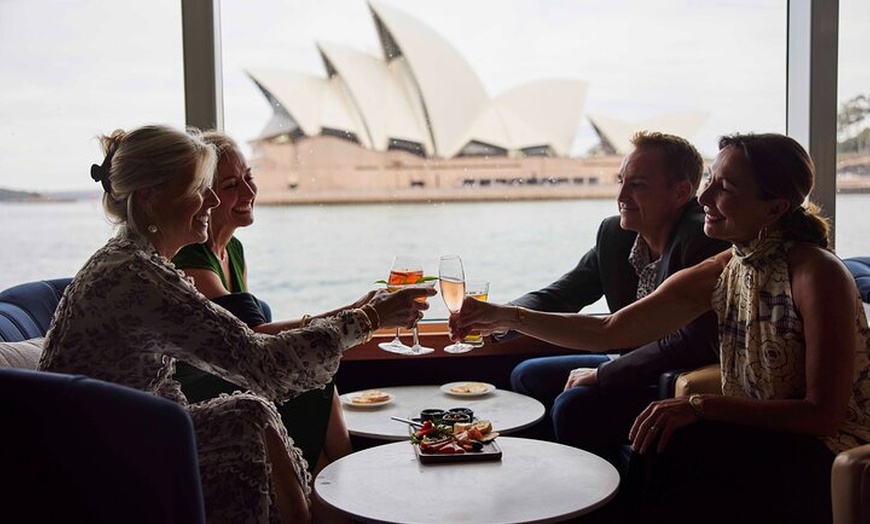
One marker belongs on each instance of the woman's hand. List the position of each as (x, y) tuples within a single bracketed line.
[(582, 377), (659, 421), (477, 315), (401, 308)]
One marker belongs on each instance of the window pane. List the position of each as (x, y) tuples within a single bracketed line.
[(641, 60), (853, 158), (70, 71)]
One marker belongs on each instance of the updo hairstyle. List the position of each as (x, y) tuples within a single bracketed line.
[(783, 169), (150, 157)]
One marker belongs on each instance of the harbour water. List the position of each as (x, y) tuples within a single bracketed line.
[(308, 259)]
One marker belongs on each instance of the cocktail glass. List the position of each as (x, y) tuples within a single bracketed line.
[(479, 291), (406, 271)]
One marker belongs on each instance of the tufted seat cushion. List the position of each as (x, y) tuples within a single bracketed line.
[(26, 309), (860, 268)]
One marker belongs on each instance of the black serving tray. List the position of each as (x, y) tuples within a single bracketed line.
[(490, 451)]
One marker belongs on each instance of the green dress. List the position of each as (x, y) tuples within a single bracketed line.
[(305, 416)]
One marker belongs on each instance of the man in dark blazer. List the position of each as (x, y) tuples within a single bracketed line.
[(592, 399)]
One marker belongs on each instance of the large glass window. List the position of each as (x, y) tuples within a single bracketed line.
[(73, 70), (70, 71), (853, 137), (645, 64)]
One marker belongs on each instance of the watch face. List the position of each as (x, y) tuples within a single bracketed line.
[(697, 404)]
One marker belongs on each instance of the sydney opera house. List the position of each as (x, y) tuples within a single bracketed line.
[(416, 124)]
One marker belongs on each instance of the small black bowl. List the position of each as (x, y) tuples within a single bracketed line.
[(453, 417), (433, 414), (467, 411)]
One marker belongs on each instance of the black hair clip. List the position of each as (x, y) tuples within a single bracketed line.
[(100, 173)]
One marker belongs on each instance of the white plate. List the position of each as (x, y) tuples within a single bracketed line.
[(347, 400), (485, 389)]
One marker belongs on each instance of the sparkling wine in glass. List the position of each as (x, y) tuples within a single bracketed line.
[(451, 275)]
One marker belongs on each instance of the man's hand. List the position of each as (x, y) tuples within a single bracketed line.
[(582, 377)]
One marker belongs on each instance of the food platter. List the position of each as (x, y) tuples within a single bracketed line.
[(370, 398), (436, 443), (468, 389), (490, 451)]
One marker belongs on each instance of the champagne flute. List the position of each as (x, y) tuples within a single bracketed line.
[(451, 276)]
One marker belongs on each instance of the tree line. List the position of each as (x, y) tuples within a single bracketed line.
[(853, 133)]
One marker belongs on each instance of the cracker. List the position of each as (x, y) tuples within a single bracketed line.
[(470, 387), (371, 396)]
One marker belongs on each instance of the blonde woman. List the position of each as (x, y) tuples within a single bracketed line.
[(129, 314)]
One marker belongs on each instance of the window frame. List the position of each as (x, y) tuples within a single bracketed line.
[(811, 81)]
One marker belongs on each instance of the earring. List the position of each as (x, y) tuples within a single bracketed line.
[(762, 233), (152, 229)]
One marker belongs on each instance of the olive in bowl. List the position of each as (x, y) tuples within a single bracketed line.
[(453, 417), (467, 411)]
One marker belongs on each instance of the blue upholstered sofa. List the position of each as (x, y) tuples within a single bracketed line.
[(26, 309), (860, 268), (96, 451), (76, 449)]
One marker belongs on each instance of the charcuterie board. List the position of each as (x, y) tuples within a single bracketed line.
[(490, 451)]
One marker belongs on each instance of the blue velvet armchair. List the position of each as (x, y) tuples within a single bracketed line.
[(76, 449)]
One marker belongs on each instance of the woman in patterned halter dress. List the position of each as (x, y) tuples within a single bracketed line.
[(794, 348)]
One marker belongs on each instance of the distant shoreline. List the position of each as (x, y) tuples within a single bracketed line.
[(852, 178)]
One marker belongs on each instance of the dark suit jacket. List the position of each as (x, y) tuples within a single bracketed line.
[(605, 271)]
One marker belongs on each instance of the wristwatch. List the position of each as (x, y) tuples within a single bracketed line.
[(697, 403)]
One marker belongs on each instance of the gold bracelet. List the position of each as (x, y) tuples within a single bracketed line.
[(521, 314), (372, 314), (306, 319)]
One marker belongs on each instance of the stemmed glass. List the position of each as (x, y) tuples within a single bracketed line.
[(451, 275), (406, 271)]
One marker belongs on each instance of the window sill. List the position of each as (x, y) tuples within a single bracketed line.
[(435, 335), (367, 366)]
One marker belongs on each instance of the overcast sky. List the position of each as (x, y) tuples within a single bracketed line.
[(71, 69)]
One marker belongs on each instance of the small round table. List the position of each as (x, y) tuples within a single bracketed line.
[(508, 411), (535, 481)]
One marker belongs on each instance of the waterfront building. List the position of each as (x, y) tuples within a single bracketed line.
[(416, 124)]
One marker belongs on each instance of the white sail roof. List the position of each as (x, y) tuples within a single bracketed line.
[(384, 105), (617, 133), (553, 107), (421, 94), (451, 91), (299, 94)]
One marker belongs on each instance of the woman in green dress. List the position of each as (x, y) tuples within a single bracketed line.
[(217, 266)]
